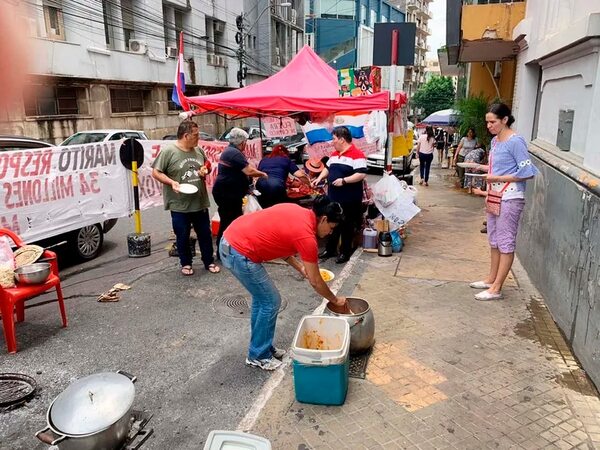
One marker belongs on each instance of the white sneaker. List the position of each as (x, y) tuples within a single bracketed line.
[(480, 285), (278, 353), (487, 295), (264, 364)]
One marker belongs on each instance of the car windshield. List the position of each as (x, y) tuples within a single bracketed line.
[(85, 138)]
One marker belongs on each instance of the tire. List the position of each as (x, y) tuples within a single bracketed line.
[(87, 242)]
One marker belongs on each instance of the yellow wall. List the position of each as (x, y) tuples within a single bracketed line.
[(480, 81), (501, 17)]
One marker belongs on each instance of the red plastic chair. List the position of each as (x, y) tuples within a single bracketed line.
[(13, 299)]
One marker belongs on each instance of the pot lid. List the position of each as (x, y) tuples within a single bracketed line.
[(92, 404)]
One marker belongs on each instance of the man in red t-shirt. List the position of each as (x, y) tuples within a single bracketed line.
[(277, 232)]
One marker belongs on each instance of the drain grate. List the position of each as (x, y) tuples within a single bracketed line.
[(358, 364), (237, 306), (15, 389)]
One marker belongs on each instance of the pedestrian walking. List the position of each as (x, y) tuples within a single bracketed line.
[(425, 147), (176, 164), (345, 172), (281, 231), (509, 167), (441, 141), (466, 144), (233, 180)]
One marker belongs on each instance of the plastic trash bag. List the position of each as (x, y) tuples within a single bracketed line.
[(386, 190), (7, 258), (251, 205), (396, 241)]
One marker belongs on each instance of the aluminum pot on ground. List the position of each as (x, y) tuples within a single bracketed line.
[(93, 413)]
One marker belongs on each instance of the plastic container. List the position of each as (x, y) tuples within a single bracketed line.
[(215, 223), (320, 354), (369, 238), (235, 440)]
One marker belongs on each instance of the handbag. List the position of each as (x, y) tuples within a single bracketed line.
[(493, 201)]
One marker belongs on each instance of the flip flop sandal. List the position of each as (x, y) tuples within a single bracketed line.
[(187, 271), (213, 268)]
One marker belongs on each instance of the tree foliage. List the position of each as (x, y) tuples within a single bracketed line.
[(436, 94), (471, 114)]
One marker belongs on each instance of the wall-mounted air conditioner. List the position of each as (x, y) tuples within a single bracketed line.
[(294, 15), (210, 59), (277, 51), (219, 26), (137, 46), (171, 52), (278, 60)]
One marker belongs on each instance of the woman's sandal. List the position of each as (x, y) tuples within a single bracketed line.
[(213, 268), (187, 271)]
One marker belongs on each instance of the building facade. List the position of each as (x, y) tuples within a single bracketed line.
[(111, 63), (341, 31), (557, 108), (480, 36)]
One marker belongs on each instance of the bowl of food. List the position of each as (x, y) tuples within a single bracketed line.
[(327, 275), (36, 273)]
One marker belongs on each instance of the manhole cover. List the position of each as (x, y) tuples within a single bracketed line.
[(237, 306), (15, 389)]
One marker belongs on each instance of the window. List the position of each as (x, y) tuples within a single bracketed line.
[(363, 14), (373, 18), (384, 19), (124, 100), (107, 18), (172, 105), (127, 20), (53, 20), (51, 100), (337, 9)]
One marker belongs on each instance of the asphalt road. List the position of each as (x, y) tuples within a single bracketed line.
[(182, 336)]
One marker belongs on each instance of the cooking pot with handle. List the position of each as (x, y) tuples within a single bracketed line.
[(93, 413)]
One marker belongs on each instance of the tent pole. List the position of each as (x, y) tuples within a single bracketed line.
[(260, 128), (394, 61)]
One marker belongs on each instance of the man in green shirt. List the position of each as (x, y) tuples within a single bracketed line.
[(181, 168)]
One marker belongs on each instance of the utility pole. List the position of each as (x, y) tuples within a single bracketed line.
[(240, 37)]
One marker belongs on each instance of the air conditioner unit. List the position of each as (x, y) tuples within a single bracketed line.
[(219, 26), (278, 60), (277, 51), (172, 52), (294, 15), (220, 61), (137, 46), (210, 59), (497, 69)]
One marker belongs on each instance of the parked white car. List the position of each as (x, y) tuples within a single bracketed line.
[(87, 137)]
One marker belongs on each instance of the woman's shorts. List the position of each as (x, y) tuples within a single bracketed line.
[(502, 229)]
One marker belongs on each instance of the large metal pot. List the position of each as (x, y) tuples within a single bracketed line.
[(93, 413), (361, 321)]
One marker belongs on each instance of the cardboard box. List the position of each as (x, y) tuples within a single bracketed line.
[(382, 225)]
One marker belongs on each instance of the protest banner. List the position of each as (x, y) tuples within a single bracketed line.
[(279, 126), (49, 191)]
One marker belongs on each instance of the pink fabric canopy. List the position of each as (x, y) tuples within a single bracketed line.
[(307, 83)]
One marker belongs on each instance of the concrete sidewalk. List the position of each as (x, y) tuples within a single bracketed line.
[(448, 371)]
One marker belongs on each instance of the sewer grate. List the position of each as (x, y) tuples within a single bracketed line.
[(15, 389), (358, 364), (237, 306)]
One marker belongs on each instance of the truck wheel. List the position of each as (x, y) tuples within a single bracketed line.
[(87, 241)]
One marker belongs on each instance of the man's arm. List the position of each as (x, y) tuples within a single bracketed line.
[(321, 176), (159, 176), (316, 281)]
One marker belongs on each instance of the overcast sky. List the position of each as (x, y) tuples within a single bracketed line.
[(438, 27)]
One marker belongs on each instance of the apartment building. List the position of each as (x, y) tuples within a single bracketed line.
[(111, 63)]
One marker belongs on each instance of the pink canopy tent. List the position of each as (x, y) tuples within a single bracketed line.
[(306, 84)]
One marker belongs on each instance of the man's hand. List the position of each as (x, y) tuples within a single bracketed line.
[(339, 182), (315, 182), (203, 171), (339, 301), (175, 186), (302, 271)]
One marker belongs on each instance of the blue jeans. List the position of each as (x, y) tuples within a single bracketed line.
[(182, 225), (265, 299), (425, 165)]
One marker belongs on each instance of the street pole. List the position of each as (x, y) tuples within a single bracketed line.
[(390, 146), (240, 38)]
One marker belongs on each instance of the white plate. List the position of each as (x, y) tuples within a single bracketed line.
[(467, 165), (476, 174), (186, 188)]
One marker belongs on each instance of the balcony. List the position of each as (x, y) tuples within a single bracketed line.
[(412, 5), (482, 32)]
